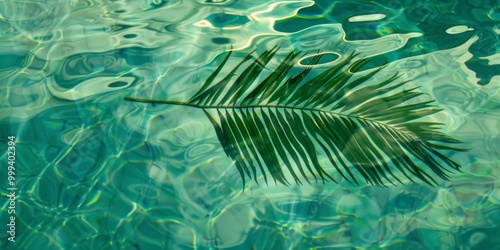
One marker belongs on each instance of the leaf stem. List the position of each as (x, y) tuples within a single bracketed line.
[(225, 106), (132, 99), (180, 103)]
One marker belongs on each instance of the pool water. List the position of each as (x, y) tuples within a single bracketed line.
[(93, 171)]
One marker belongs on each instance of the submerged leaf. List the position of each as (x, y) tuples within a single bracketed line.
[(286, 123)]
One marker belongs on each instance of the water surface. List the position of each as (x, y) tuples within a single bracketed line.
[(96, 172)]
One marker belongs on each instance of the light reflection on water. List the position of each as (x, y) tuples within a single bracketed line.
[(97, 172)]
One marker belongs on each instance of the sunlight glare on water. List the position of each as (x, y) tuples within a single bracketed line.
[(96, 172)]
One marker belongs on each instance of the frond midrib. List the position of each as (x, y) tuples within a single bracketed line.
[(253, 106)]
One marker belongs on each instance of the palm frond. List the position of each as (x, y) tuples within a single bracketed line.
[(290, 121)]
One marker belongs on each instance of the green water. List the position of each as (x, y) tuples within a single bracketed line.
[(96, 172)]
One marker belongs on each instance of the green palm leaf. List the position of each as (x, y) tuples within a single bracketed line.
[(289, 121)]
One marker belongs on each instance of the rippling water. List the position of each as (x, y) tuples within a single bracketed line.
[(96, 172)]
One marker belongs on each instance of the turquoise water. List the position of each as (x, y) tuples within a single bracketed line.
[(96, 172)]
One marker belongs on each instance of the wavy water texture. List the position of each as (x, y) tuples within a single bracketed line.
[(95, 172), (442, 24)]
